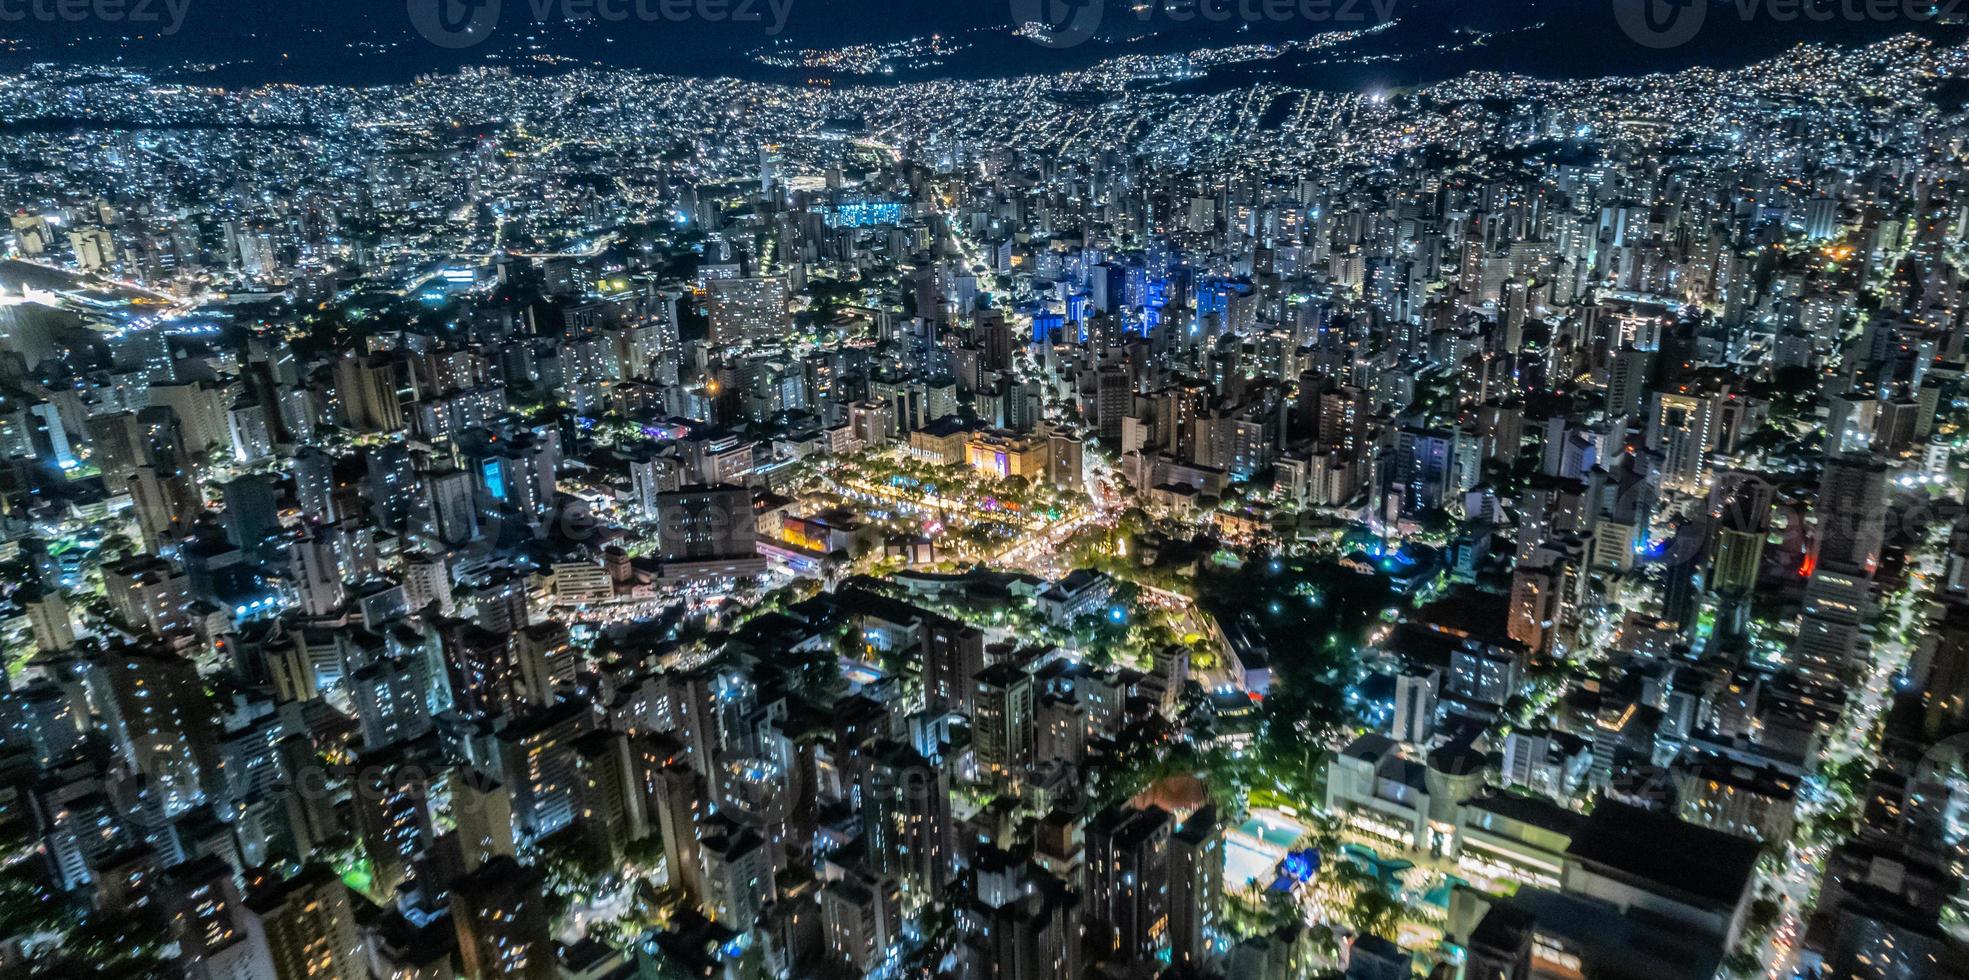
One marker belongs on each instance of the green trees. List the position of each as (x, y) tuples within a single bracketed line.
[(575, 870), (27, 905), (1371, 907), (1377, 912), (1311, 645), (1261, 916), (130, 945), (123, 946), (1742, 963), (1764, 913)]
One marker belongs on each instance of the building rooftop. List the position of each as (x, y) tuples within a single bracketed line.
[(1705, 864)]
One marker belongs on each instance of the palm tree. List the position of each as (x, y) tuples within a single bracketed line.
[(1376, 911)]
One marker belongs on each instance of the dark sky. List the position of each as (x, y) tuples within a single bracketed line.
[(362, 41)]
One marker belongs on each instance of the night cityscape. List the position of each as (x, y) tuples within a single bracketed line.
[(1009, 489)]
